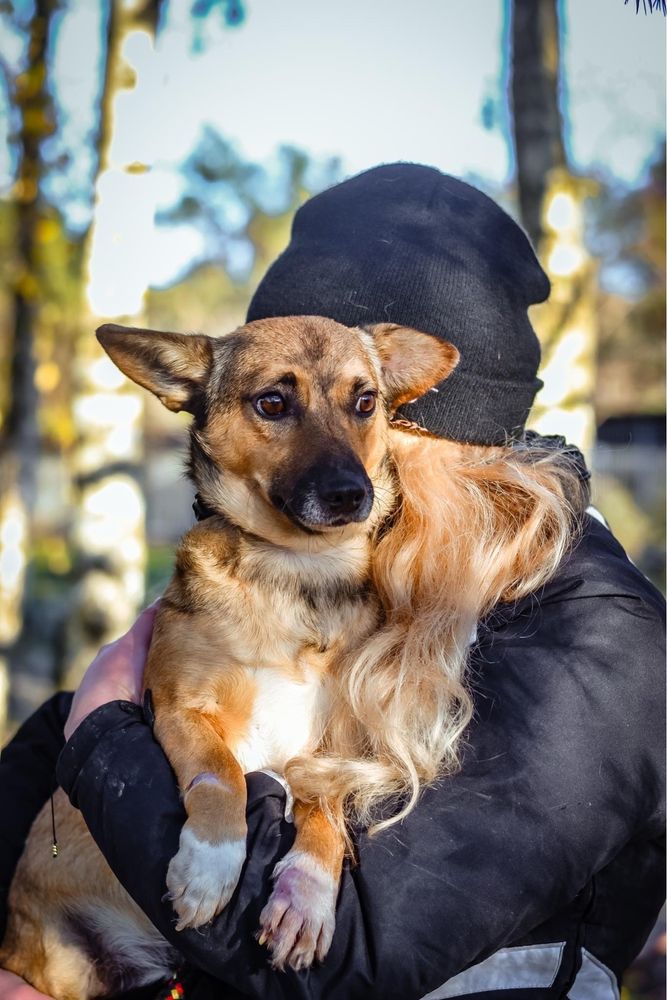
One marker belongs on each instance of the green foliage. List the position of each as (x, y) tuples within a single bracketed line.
[(159, 568)]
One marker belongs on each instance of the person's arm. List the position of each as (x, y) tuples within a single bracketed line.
[(562, 769)]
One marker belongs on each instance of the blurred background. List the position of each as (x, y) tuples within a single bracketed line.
[(152, 155)]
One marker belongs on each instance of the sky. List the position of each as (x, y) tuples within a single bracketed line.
[(368, 81), (379, 80)]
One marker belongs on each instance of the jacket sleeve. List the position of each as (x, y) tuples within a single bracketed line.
[(562, 769), (27, 778)]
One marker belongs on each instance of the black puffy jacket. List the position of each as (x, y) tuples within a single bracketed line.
[(535, 872)]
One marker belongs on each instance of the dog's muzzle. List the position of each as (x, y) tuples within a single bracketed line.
[(331, 494)]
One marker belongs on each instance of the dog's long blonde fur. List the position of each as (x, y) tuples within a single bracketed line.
[(476, 526)]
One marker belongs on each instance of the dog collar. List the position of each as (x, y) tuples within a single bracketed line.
[(201, 511)]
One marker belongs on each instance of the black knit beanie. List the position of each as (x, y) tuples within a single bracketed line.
[(404, 243)]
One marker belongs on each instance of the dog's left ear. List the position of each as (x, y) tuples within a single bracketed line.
[(173, 366), (412, 362)]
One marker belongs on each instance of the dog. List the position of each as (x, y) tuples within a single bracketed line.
[(290, 455)]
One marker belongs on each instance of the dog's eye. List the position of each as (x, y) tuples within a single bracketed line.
[(271, 405), (365, 404)]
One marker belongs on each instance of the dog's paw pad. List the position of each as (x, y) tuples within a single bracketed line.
[(202, 877), (297, 923)]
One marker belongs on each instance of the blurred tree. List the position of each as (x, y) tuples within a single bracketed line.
[(86, 408), (270, 225), (536, 119), (109, 527), (243, 211), (207, 300), (19, 447), (108, 534), (551, 201), (627, 233)]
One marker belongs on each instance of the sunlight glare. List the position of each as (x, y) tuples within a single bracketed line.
[(568, 370), (562, 212), (12, 547), (104, 374), (112, 511), (565, 259), (122, 243), (105, 409)]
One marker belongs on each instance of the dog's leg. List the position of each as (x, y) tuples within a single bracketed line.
[(298, 921), (203, 874)]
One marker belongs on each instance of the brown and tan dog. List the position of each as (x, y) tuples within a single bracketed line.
[(290, 451)]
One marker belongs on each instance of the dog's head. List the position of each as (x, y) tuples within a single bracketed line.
[(291, 415)]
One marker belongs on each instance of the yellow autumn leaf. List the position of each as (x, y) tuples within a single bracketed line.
[(137, 168), (46, 230), (47, 376)]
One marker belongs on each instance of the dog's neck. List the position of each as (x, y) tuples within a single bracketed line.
[(324, 565)]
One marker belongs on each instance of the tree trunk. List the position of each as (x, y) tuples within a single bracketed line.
[(536, 116), (109, 528), (551, 204), (19, 449)]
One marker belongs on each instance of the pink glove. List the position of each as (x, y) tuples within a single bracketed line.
[(116, 673)]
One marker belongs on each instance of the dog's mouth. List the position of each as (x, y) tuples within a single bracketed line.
[(315, 515), (283, 506)]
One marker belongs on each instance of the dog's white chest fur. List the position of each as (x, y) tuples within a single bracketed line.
[(286, 719)]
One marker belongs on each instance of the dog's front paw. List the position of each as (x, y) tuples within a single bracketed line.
[(202, 877), (297, 923)]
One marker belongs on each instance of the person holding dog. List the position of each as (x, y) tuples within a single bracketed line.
[(536, 869)]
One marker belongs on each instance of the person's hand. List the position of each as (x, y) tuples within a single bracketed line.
[(14, 988), (116, 673)]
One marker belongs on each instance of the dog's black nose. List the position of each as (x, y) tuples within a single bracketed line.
[(334, 490), (344, 497)]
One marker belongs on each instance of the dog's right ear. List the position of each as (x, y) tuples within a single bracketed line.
[(173, 366), (412, 362)]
